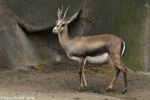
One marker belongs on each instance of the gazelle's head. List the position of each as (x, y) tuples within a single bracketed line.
[(62, 23)]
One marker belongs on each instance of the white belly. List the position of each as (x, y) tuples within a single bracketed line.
[(94, 59), (75, 58), (98, 59)]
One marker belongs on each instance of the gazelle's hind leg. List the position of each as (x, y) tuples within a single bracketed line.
[(116, 74), (119, 65), (124, 70)]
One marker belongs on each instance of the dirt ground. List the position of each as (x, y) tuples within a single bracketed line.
[(59, 82)]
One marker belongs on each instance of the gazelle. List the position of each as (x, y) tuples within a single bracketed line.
[(94, 49)]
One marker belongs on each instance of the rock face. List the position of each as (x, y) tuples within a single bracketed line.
[(34, 43)]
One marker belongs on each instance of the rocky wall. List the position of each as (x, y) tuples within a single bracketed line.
[(34, 43)]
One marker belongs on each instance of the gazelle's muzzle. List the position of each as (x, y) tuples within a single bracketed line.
[(55, 30)]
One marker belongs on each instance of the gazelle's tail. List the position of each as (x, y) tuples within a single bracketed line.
[(123, 46)]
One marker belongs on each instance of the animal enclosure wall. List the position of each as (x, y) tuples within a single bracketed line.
[(24, 47)]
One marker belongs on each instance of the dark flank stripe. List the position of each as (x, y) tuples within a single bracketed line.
[(92, 52)]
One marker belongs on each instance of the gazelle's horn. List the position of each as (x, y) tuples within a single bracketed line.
[(61, 11), (65, 13), (58, 13)]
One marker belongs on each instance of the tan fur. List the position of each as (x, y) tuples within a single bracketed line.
[(76, 49)]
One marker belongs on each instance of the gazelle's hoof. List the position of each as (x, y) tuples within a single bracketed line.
[(80, 89), (85, 85), (124, 91), (108, 89)]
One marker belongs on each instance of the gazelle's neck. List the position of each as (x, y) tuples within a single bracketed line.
[(64, 38)]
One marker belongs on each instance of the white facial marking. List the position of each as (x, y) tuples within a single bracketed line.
[(59, 22), (55, 29)]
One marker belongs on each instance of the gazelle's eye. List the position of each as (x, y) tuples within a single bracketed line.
[(62, 25)]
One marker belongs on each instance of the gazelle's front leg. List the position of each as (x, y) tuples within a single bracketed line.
[(81, 74), (84, 79)]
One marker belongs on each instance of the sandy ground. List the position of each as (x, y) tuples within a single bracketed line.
[(57, 82)]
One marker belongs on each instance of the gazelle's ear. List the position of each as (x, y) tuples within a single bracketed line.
[(73, 18)]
